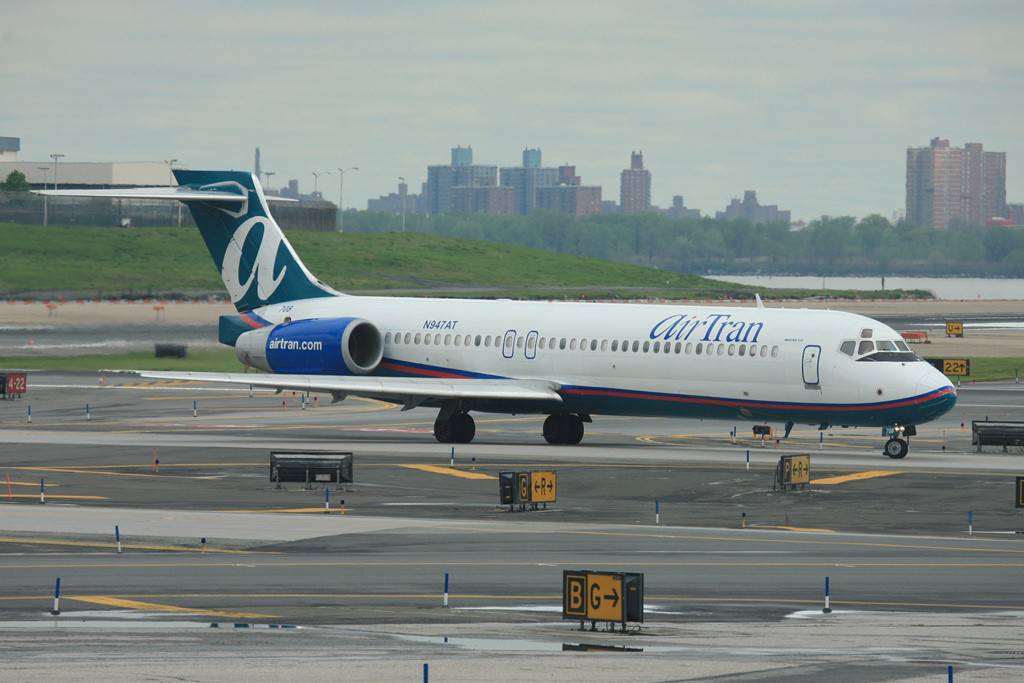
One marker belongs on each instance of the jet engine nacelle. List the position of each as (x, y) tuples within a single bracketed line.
[(327, 346)]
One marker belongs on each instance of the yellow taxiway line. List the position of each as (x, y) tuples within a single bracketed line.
[(856, 476), (448, 470), (157, 607)]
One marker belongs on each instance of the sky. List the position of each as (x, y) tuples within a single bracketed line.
[(812, 103)]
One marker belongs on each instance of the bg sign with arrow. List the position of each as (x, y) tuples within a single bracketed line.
[(602, 596)]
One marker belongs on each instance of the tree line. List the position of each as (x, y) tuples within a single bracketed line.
[(831, 245)]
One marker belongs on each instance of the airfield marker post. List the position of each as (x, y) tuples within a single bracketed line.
[(88, 417), (821, 440), (451, 463), (734, 436), (826, 609), (250, 391), (303, 401), (117, 535), (56, 599), (42, 491), (30, 413), (446, 589), (657, 513), (327, 501), (202, 545), (970, 522), (743, 520), (195, 409), (748, 459), (342, 506)]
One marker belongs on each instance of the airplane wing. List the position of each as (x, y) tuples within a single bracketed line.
[(410, 391)]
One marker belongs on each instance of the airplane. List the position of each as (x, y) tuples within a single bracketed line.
[(567, 360)]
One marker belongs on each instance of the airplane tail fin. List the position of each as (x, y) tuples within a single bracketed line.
[(256, 261)]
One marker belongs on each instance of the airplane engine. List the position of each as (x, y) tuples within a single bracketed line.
[(328, 346)]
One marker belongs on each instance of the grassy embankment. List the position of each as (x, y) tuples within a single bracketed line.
[(92, 262), (89, 262)]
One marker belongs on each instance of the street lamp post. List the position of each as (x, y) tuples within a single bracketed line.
[(401, 188), (341, 193), (46, 199), (55, 157), (170, 183), (316, 177)]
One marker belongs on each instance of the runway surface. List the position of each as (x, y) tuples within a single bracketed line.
[(922, 555)]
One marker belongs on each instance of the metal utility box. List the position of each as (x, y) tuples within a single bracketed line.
[(310, 467), (997, 433)]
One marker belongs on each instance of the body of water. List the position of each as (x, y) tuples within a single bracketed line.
[(952, 288)]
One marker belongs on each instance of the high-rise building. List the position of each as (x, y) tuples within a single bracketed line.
[(570, 195), (441, 180), (635, 186), (488, 198), (950, 185), (525, 179), (754, 212)]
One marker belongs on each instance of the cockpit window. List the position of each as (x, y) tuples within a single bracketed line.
[(867, 333), (883, 350)]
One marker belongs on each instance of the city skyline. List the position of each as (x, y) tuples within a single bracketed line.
[(813, 104)]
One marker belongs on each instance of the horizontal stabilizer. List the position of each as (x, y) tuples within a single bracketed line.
[(182, 194)]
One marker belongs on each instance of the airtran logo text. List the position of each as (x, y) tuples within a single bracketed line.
[(237, 282), (716, 327), (295, 345)]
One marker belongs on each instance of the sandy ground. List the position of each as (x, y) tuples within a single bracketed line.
[(986, 343)]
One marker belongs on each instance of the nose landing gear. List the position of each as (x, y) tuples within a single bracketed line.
[(897, 447)]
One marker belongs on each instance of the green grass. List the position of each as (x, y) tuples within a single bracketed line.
[(79, 261), (213, 360), (989, 369)]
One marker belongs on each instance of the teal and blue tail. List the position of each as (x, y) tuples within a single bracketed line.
[(256, 262)]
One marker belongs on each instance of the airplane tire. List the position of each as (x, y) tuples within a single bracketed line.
[(463, 428), (443, 431), (555, 428), (896, 448), (573, 429)]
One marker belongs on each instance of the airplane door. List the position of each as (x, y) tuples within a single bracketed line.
[(508, 347), (531, 345), (812, 358)]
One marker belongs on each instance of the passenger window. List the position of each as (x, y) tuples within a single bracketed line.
[(721, 349), (542, 340), (487, 341), (447, 340), (604, 344), (561, 344), (417, 338), (764, 352), (700, 347), (657, 346), (636, 346), (593, 345), (458, 340), (478, 340), (775, 352), (615, 344), (865, 347), (753, 350), (647, 346), (437, 340), (387, 338), (847, 347), (408, 337), (743, 350), (732, 349), (519, 342), (689, 348), (572, 344)]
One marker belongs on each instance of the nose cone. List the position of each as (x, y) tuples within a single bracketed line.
[(936, 393)]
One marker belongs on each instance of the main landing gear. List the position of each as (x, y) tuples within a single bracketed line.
[(456, 428), (564, 428)]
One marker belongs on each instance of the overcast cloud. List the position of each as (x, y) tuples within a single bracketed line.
[(812, 104)]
